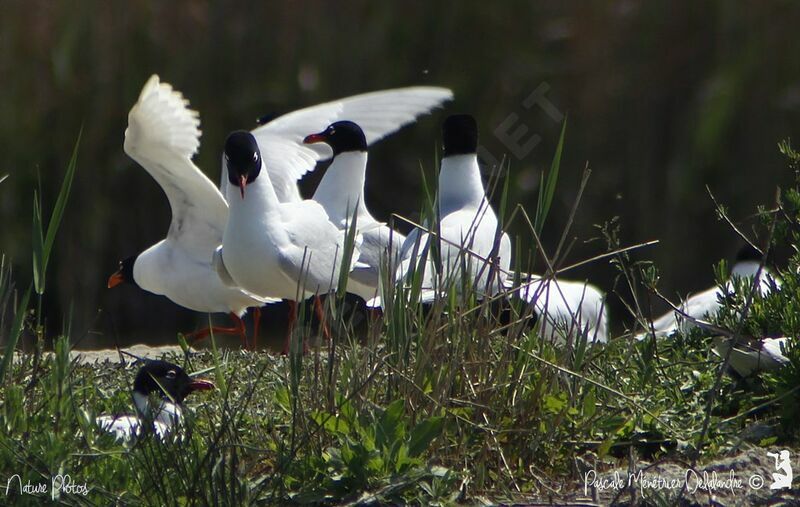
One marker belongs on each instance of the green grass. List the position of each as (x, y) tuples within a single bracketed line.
[(436, 405)]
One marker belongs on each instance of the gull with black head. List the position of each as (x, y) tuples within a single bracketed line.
[(286, 250), (473, 249), (706, 304), (167, 382), (341, 194), (163, 135)]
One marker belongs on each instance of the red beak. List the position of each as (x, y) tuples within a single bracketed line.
[(315, 138), (201, 385), (115, 279), (242, 184)]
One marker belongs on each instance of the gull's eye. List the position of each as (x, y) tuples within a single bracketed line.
[(255, 157), (332, 131), (171, 374)]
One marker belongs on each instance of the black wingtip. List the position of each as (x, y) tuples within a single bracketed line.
[(264, 119)]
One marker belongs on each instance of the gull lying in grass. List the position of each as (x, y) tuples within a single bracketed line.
[(751, 356), (748, 355), (341, 194), (471, 249), (705, 305), (564, 308), (162, 136), (171, 384)]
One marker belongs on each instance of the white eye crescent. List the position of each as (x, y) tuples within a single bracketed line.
[(171, 374)]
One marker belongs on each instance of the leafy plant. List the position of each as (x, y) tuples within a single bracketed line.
[(372, 452)]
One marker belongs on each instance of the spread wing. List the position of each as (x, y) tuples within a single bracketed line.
[(162, 136), (379, 114)]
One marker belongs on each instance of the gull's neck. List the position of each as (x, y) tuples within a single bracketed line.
[(167, 411), (259, 197), (342, 187), (460, 184), (142, 402)]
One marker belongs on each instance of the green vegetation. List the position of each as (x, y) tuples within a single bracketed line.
[(432, 406)]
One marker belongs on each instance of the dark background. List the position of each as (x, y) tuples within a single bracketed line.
[(663, 98)]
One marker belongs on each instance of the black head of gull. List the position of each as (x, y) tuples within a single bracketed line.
[(748, 253), (168, 381), (341, 136), (460, 135), (243, 159), (124, 274)]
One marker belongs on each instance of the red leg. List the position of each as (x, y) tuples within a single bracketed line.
[(256, 325), (239, 323), (290, 326), (237, 329), (374, 314), (326, 333)]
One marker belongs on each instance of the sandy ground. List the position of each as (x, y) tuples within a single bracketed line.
[(112, 355)]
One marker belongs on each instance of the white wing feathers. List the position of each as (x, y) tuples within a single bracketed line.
[(378, 114), (161, 117), (162, 135)]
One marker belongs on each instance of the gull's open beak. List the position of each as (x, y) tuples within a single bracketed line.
[(201, 385), (314, 138), (115, 279), (242, 184)]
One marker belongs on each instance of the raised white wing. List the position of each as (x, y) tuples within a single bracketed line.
[(378, 114), (162, 136)]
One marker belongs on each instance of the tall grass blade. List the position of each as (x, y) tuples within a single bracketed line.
[(16, 330), (6, 292), (547, 188), (37, 240), (351, 230), (61, 202)]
